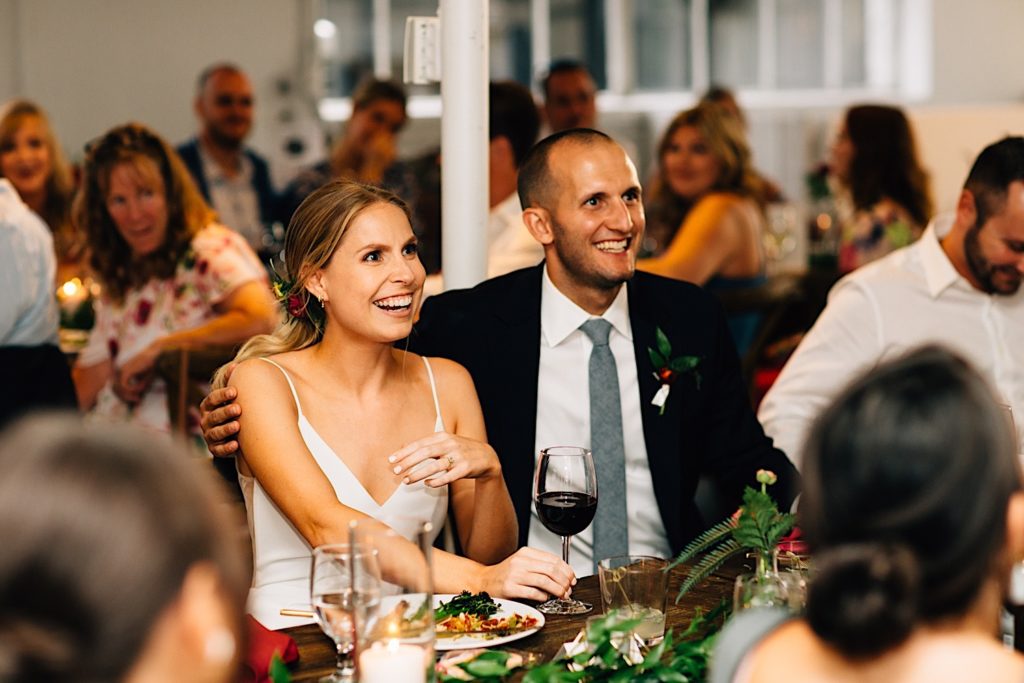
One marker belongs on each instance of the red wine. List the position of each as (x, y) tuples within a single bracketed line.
[(566, 512)]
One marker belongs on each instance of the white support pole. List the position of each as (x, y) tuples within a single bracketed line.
[(700, 60), (767, 38), (464, 143), (832, 44), (540, 39), (382, 39), (619, 55)]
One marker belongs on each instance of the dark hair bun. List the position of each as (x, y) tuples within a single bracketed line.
[(863, 598)]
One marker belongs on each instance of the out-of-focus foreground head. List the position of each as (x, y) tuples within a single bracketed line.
[(119, 556)]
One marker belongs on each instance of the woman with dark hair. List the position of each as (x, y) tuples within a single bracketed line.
[(171, 276), (34, 163), (707, 195), (884, 200), (337, 425), (119, 561), (914, 512)]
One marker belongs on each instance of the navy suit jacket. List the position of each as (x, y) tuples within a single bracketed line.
[(268, 199), (494, 331)]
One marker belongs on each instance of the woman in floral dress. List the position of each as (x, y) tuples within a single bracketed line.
[(171, 276), (883, 199)]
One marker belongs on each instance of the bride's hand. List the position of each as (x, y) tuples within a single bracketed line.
[(531, 574), (446, 458)]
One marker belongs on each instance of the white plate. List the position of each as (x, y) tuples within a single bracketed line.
[(505, 608)]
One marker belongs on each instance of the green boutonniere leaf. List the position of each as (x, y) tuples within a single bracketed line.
[(664, 346)]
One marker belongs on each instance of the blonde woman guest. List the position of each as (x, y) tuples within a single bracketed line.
[(32, 160), (171, 276), (705, 198), (338, 425)]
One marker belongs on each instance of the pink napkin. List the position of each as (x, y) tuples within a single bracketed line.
[(263, 644)]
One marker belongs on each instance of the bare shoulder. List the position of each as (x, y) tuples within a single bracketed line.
[(449, 371), (256, 377)]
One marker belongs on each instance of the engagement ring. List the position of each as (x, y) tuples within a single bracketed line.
[(451, 463)]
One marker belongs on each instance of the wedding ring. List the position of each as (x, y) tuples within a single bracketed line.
[(451, 463)]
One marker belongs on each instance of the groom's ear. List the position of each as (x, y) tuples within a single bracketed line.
[(538, 222)]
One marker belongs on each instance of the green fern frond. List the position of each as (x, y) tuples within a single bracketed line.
[(709, 538), (709, 564)]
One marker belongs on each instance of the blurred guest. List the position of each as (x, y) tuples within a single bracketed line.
[(171, 277), (322, 447), (570, 96), (231, 177), (513, 125), (883, 196), (914, 511), (706, 194), (958, 285), (33, 371), (367, 149), (119, 563), (34, 163), (726, 99)]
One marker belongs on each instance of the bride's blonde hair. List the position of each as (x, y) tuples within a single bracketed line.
[(313, 236)]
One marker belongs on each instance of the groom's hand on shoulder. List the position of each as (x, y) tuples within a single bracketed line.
[(219, 420)]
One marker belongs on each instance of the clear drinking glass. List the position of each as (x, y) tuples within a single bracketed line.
[(344, 590), (565, 493), (398, 644)]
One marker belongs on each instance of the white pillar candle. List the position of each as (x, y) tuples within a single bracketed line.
[(393, 662)]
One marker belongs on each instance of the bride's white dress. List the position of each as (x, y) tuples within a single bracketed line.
[(281, 556)]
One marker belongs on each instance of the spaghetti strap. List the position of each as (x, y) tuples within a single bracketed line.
[(438, 421), (295, 395)]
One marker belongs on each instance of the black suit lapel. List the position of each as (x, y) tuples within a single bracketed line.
[(662, 432)]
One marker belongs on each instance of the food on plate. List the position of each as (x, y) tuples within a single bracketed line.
[(478, 615), (481, 605)]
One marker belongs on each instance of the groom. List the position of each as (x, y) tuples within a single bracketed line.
[(519, 337)]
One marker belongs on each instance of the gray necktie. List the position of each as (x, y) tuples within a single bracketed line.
[(610, 523)]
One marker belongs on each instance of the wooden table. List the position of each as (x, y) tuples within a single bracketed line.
[(317, 655)]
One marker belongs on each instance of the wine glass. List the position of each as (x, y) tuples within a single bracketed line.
[(344, 590), (565, 493)]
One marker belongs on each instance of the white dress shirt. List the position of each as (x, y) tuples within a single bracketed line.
[(28, 265), (563, 419), (234, 198), (911, 297), (510, 246)]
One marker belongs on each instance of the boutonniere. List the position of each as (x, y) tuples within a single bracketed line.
[(667, 368)]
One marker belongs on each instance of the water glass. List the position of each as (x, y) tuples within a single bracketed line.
[(344, 591), (636, 587)]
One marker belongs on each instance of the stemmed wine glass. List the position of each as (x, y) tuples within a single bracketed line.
[(344, 590), (565, 493)]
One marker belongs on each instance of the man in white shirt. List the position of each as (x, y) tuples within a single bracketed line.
[(959, 285), (33, 371), (234, 179)]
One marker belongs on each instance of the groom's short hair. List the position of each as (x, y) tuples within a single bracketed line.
[(535, 183)]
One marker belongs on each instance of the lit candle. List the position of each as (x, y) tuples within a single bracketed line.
[(395, 661), (71, 294)]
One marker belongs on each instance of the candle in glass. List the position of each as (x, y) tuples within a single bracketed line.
[(393, 661)]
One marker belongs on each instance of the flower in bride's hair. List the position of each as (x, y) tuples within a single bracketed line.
[(295, 306)]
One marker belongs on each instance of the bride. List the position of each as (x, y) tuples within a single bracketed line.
[(338, 425)]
